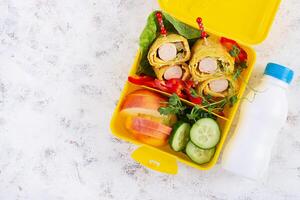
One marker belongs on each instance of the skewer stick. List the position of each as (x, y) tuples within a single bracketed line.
[(163, 30), (203, 33)]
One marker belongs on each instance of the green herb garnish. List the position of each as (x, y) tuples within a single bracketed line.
[(174, 106), (237, 74), (208, 97), (233, 100), (235, 51), (194, 93), (183, 113), (197, 113), (220, 65), (241, 64), (215, 105)]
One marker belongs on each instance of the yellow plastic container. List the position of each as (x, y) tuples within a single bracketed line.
[(246, 22)]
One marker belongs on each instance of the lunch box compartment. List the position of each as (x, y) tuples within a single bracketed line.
[(118, 128), (164, 159)]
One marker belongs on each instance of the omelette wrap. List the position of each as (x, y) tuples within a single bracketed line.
[(167, 72), (218, 88), (169, 50), (210, 60)]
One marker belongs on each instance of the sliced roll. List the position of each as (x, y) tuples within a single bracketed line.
[(169, 50), (180, 71), (209, 60), (218, 88)]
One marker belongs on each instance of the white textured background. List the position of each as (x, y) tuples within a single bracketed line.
[(62, 67)]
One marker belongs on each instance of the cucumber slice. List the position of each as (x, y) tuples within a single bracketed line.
[(199, 156), (180, 136), (205, 133)]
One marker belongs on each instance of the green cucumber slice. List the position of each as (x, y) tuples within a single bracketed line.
[(180, 136), (205, 133), (198, 155)]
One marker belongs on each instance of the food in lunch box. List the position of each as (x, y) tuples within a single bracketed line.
[(180, 136), (202, 88), (168, 54), (177, 71), (179, 35), (197, 132), (235, 51), (218, 88), (205, 133), (207, 76), (215, 64), (184, 89), (198, 155), (210, 59), (142, 101), (143, 119), (169, 50), (148, 127)]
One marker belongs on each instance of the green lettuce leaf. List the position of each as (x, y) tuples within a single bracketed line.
[(146, 39), (149, 33), (183, 29)]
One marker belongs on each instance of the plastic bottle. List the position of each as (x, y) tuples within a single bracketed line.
[(262, 115)]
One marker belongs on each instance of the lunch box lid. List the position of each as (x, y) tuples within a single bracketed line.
[(246, 21)]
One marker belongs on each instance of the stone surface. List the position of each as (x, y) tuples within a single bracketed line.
[(62, 68)]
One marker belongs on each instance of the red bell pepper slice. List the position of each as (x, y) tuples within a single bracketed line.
[(191, 97), (189, 84), (176, 86), (161, 85), (139, 80), (228, 44), (142, 80), (195, 100), (242, 55)]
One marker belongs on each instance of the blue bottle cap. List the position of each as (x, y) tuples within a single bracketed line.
[(280, 72)]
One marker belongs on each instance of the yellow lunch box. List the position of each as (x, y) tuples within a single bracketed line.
[(247, 22)]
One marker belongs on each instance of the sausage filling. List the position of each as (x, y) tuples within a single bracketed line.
[(174, 71), (208, 65), (170, 51), (219, 85)]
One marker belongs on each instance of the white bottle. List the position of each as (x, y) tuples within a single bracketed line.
[(262, 115)]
